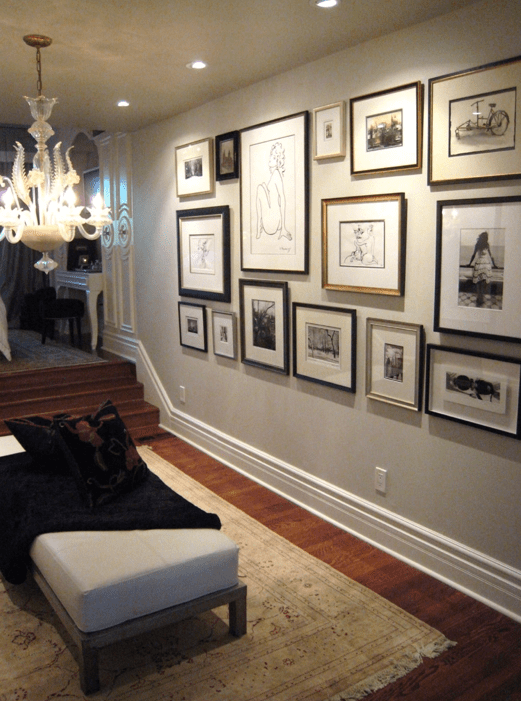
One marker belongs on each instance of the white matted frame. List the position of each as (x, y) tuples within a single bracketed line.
[(264, 324), (194, 165), (192, 326), (478, 259), (394, 363), (275, 195), (386, 130), (477, 389), (329, 131), (363, 244), (324, 345), (473, 118), (224, 328), (203, 253)]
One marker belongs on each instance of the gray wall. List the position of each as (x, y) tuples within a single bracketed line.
[(458, 486)]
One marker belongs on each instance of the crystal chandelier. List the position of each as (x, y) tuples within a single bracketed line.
[(50, 216)]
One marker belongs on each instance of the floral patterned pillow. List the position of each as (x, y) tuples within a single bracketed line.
[(101, 454)]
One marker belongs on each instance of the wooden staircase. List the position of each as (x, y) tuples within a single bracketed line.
[(79, 389)]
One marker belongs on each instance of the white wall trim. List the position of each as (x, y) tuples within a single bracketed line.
[(494, 583), (120, 344)]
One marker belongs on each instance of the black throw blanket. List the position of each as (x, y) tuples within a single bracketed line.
[(34, 501)]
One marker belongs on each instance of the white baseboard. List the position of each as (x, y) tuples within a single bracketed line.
[(120, 344), (481, 577)]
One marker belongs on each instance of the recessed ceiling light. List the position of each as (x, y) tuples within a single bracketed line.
[(197, 65), (123, 103), (325, 3)]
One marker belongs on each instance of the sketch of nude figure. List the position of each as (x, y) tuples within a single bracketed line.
[(271, 199), (364, 247)]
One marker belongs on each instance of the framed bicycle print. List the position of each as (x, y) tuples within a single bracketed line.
[(363, 244), (478, 259), (274, 195), (192, 326), (473, 117), (386, 130), (329, 131), (477, 389), (394, 363), (194, 168), (203, 253), (264, 324), (227, 156), (324, 345), (224, 327)]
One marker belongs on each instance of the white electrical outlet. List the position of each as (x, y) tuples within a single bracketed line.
[(380, 479), (182, 394)]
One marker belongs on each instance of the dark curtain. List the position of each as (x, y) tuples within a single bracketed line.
[(18, 276)]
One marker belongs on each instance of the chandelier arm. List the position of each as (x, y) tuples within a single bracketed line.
[(90, 237)]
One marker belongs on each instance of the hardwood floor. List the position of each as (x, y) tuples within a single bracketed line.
[(486, 663)]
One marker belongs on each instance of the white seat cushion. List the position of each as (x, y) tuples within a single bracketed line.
[(103, 578)]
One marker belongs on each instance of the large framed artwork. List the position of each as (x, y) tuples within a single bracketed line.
[(264, 324), (194, 168), (324, 345), (329, 131), (394, 363), (203, 253), (274, 195), (192, 326), (478, 258), (473, 124), (363, 244), (386, 130), (478, 389)]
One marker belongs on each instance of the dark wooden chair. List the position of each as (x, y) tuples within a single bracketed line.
[(52, 310)]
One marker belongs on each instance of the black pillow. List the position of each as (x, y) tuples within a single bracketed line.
[(40, 438), (101, 454)]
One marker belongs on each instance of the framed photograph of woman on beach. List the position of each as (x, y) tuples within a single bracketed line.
[(274, 195), (478, 259)]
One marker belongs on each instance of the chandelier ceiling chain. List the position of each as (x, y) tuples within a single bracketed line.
[(50, 216)]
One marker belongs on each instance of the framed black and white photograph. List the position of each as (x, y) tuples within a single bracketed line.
[(224, 328), (203, 253), (227, 156), (264, 324), (329, 131), (394, 363), (363, 244), (386, 130), (478, 256), (478, 389), (192, 326), (194, 168), (473, 124), (274, 195), (324, 345)]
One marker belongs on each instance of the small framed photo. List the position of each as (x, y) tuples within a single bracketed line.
[(329, 131), (478, 259), (265, 324), (478, 389), (203, 253), (386, 130), (274, 195), (473, 117), (363, 244), (324, 345), (224, 325), (394, 363), (227, 156), (192, 326), (194, 168)]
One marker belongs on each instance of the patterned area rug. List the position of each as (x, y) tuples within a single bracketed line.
[(28, 353), (313, 634)]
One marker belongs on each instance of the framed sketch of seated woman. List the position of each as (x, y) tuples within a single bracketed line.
[(274, 195)]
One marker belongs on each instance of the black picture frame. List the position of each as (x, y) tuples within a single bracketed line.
[(193, 330), (475, 389), (227, 156)]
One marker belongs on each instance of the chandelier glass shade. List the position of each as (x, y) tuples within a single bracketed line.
[(38, 208)]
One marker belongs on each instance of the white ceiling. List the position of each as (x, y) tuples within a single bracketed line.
[(105, 50)]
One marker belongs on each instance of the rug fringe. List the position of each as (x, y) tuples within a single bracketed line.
[(398, 668)]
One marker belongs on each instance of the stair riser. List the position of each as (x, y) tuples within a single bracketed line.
[(54, 377), (61, 391)]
